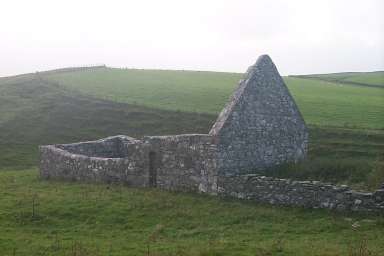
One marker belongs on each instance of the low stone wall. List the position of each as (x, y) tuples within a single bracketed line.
[(182, 162), (189, 163), (110, 147), (185, 162), (57, 163), (307, 194)]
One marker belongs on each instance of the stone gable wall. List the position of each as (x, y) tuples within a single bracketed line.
[(261, 126)]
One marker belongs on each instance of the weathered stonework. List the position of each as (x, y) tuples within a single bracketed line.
[(260, 127), (308, 194), (97, 161), (181, 162)]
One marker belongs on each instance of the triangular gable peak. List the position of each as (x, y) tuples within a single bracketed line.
[(261, 125)]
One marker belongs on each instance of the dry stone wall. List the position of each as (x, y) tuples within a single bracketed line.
[(189, 163), (185, 162), (58, 163), (182, 162), (111, 147), (307, 194)]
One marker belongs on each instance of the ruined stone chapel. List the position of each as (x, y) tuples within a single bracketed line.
[(260, 127)]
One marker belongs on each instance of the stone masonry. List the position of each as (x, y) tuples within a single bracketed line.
[(261, 127), (307, 194)]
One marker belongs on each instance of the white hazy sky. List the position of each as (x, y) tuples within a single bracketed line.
[(301, 36)]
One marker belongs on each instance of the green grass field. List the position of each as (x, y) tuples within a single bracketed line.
[(34, 113), (328, 104), (376, 78), (39, 112), (192, 91), (59, 218), (372, 79), (322, 103)]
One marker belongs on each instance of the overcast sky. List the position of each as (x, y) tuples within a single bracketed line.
[(301, 36)]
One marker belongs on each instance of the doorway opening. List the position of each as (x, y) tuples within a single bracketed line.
[(152, 169)]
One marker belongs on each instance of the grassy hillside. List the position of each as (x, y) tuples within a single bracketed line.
[(322, 103), (376, 78), (36, 111), (327, 104), (56, 218), (372, 79), (62, 219), (192, 91)]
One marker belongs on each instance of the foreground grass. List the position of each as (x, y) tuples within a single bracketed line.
[(57, 218), (322, 103)]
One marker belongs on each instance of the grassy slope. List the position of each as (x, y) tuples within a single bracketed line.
[(354, 78), (192, 91), (376, 78), (321, 103), (35, 112), (324, 103), (85, 219), (340, 155), (101, 220)]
